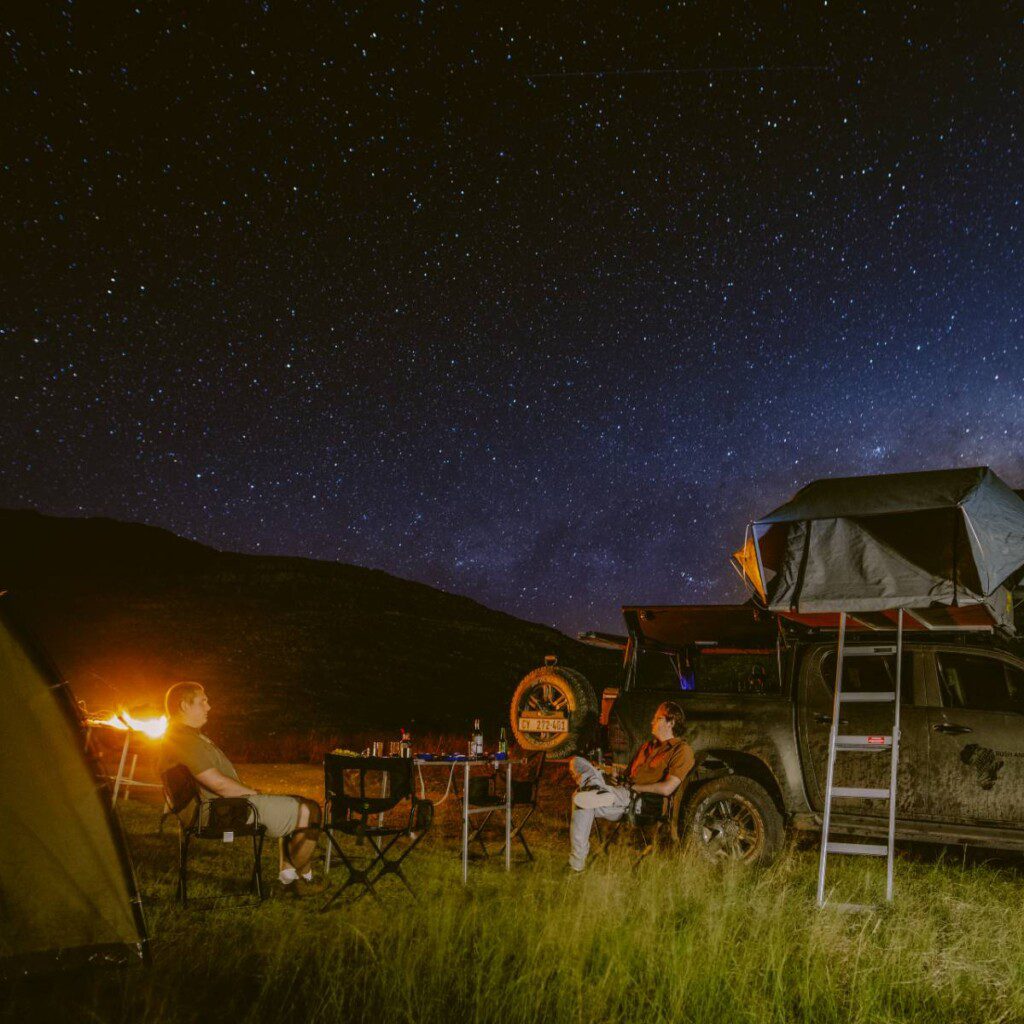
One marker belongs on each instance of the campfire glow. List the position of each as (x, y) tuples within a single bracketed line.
[(154, 728)]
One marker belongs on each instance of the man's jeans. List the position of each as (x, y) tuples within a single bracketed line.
[(586, 775)]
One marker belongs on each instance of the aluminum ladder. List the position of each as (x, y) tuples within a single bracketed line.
[(839, 743)]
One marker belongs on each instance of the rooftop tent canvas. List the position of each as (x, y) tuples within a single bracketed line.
[(67, 892), (944, 538)]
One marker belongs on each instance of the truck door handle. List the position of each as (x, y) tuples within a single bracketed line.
[(827, 719), (949, 727)]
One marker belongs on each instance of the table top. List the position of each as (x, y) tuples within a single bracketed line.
[(450, 759)]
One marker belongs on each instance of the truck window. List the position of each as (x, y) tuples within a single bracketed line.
[(737, 673), (656, 670), (974, 681), (871, 674)]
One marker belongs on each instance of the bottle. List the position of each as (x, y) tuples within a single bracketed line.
[(405, 745), (476, 741), (502, 741)]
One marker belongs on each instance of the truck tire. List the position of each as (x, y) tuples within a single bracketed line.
[(551, 690), (732, 819)]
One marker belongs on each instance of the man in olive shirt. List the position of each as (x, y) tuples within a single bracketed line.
[(659, 766), (292, 819)]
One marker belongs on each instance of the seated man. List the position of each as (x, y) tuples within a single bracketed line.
[(292, 819), (659, 766)]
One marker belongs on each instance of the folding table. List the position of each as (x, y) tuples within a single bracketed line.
[(467, 763)]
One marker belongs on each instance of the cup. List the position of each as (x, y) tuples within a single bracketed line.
[(394, 748), (378, 748)]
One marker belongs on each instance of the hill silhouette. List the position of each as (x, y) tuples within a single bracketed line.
[(282, 644)]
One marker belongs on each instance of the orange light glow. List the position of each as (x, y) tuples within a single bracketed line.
[(154, 728)]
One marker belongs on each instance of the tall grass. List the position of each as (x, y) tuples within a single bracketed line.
[(674, 940)]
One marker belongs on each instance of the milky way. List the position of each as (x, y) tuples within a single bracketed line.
[(539, 307)]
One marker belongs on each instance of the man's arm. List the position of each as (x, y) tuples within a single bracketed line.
[(217, 782), (666, 787)]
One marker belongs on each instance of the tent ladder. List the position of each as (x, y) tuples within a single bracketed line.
[(839, 743)]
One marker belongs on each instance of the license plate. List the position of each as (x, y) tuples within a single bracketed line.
[(535, 724)]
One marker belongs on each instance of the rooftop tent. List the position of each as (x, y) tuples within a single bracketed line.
[(947, 542), (67, 892)]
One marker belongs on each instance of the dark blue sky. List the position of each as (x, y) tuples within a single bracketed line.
[(539, 307)]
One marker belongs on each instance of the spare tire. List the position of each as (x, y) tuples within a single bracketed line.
[(554, 709)]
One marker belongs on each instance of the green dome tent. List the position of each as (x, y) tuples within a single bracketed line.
[(67, 891)]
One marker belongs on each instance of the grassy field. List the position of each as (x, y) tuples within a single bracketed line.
[(672, 941)]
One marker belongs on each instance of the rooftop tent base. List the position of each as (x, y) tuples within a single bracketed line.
[(975, 618)]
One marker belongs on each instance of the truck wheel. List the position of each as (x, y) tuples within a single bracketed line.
[(733, 819), (558, 695)]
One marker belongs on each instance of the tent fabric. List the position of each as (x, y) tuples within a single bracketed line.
[(67, 894), (910, 540)]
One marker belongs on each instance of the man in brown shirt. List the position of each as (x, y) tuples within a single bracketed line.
[(292, 819), (659, 766)]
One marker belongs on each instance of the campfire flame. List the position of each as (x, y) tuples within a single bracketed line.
[(154, 728)]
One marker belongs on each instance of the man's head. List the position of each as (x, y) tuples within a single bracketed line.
[(186, 703), (669, 721)]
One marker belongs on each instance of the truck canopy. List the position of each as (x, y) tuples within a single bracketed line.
[(949, 543), (682, 626)]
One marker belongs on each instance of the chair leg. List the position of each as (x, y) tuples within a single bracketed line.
[(394, 867), (612, 834), (257, 867), (183, 867), (475, 836), (526, 846), (517, 833), (356, 876)]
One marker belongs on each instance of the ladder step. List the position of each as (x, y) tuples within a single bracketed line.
[(868, 698), (864, 794), (879, 650), (852, 908), (863, 743), (858, 849)]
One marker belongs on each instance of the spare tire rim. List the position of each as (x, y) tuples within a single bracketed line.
[(730, 827), (545, 698)]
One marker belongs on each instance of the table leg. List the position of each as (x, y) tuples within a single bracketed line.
[(131, 777), (508, 815), (120, 767), (465, 825)]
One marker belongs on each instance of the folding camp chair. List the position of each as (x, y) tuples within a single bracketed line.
[(647, 813), (485, 791), (226, 818), (357, 789)]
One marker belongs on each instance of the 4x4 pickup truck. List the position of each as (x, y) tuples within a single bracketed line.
[(758, 698)]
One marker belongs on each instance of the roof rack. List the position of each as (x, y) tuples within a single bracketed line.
[(939, 619)]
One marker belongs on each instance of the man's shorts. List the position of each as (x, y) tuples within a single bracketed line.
[(279, 813)]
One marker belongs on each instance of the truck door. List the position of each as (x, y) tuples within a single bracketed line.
[(977, 739), (863, 674)]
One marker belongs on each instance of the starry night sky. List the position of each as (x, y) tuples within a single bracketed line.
[(535, 303)]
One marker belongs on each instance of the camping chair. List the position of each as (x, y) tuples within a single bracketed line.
[(227, 818), (647, 813), (357, 789), (485, 791)]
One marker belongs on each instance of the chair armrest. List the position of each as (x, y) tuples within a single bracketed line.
[(651, 806), (230, 814)]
